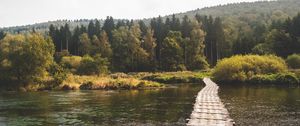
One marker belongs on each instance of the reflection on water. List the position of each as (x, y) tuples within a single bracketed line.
[(170, 106), (262, 105)]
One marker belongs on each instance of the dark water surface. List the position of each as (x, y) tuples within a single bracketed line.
[(262, 105), (170, 106)]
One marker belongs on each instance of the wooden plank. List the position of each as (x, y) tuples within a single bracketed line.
[(209, 109)]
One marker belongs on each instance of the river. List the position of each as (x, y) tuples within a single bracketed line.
[(247, 105), (170, 106)]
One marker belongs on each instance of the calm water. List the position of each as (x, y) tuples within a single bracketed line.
[(262, 105), (170, 106), (248, 105)]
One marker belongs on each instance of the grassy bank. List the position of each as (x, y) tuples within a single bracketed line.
[(177, 77), (269, 79), (255, 69), (74, 82)]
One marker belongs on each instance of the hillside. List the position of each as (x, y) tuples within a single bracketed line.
[(249, 13)]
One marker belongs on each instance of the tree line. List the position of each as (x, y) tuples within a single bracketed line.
[(163, 45)]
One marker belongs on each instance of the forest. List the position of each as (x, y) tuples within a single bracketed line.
[(163, 44)]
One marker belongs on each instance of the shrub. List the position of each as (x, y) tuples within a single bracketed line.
[(240, 68), (58, 74), (199, 63), (293, 61), (287, 78), (281, 78), (90, 66), (71, 62)]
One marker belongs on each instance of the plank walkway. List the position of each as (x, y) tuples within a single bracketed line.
[(208, 108)]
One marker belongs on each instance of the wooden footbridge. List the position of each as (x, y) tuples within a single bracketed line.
[(208, 108)]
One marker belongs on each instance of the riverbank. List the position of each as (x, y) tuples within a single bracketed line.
[(288, 79), (178, 77), (115, 81)]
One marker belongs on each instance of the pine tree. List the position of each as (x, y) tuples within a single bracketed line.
[(75, 41), (186, 27), (108, 27), (2, 35), (143, 27), (175, 23), (66, 36), (97, 27), (91, 29)]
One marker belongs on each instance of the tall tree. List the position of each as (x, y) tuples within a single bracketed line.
[(175, 23), (75, 41), (172, 53), (66, 36), (108, 27), (195, 59), (97, 27), (104, 47), (149, 45), (91, 29), (2, 35), (84, 44), (29, 56)]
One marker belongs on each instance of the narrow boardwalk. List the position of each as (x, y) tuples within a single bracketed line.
[(208, 108)]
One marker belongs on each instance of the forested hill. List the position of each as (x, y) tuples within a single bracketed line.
[(263, 11)]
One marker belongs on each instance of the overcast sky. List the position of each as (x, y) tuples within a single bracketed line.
[(22, 12)]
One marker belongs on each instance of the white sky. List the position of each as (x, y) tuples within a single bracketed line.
[(22, 12)]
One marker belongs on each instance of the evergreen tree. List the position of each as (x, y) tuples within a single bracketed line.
[(175, 23), (160, 33), (97, 27), (66, 37), (143, 28), (75, 41), (108, 27), (91, 29), (186, 27), (2, 35)]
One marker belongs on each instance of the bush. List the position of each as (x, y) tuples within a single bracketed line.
[(90, 66), (58, 74), (282, 78), (177, 77), (199, 63), (71, 62), (293, 61), (287, 78), (241, 68)]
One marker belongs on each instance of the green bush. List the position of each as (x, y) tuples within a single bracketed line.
[(281, 78), (287, 78), (293, 61), (71, 62), (241, 68), (58, 74), (199, 63), (91, 66)]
